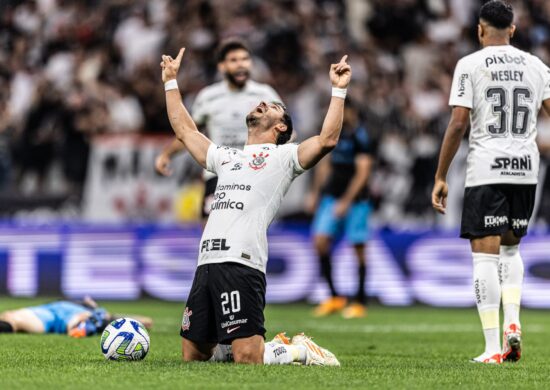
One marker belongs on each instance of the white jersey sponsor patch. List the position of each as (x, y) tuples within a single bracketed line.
[(504, 87), (251, 185)]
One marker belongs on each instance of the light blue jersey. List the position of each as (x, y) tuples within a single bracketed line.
[(56, 316)]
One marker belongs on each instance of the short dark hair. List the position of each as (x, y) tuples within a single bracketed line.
[(285, 136), (497, 13), (228, 46)]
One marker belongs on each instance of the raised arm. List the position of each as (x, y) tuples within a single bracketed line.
[(185, 129), (313, 149), (460, 120)]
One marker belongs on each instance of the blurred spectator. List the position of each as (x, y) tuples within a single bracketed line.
[(70, 69), (5, 152), (36, 142)]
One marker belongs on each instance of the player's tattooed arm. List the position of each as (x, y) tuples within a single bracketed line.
[(313, 149), (460, 120), (185, 129)]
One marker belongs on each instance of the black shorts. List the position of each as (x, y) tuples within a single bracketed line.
[(208, 198), (496, 208), (226, 302)]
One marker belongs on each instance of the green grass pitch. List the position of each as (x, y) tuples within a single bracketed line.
[(394, 348)]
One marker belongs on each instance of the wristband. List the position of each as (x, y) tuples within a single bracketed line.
[(170, 85), (339, 92)]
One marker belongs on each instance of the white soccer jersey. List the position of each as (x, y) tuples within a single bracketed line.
[(251, 185), (504, 87), (223, 111)]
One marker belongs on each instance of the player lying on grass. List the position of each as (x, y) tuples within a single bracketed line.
[(76, 319), (227, 299)]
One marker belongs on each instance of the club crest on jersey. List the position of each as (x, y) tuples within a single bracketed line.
[(259, 161), (186, 323)]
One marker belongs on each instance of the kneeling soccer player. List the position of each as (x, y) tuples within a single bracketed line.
[(76, 319), (227, 298)]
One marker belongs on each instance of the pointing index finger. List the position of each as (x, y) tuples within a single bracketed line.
[(180, 54), (344, 59)]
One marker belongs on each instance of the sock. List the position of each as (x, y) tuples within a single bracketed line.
[(222, 353), (276, 353), (487, 293), (361, 296), (299, 353), (492, 340), (5, 327), (326, 271), (510, 268)]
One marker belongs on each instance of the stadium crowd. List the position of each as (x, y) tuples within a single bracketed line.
[(72, 69)]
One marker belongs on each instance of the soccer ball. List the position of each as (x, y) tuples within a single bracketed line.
[(125, 339)]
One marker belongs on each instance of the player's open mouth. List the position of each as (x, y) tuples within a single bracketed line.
[(241, 75)]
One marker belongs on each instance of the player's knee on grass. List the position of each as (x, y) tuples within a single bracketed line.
[(248, 355), (249, 350), (194, 352)]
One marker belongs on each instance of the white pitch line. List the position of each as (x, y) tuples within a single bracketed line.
[(163, 326), (405, 328)]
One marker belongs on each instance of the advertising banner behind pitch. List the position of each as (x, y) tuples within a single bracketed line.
[(130, 262), (122, 184)]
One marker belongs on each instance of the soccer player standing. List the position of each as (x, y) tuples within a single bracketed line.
[(498, 92), (340, 190), (219, 110), (227, 298)]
